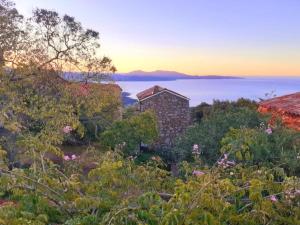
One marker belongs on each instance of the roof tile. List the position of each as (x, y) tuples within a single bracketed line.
[(287, 103), (154, 90)]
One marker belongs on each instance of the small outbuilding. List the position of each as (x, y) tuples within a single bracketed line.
[(286, 107), (172, 111)]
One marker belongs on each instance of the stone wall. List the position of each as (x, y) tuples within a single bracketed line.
[(173, 115)]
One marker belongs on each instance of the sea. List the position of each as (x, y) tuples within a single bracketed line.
[(208, 90)]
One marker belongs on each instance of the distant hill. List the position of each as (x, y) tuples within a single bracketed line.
[(158, 75), (162, 75)]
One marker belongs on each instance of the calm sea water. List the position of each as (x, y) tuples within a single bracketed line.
[(207, 90)]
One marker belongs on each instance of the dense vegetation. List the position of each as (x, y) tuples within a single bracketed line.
[(232, 168)]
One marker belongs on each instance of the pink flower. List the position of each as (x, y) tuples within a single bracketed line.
[(273, 198), (67, 129), (67, 158), (198, 173), (73, 157), (269, 131), (225, 163)]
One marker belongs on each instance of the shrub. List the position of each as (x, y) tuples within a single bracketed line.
[(128, 134), (270, 147), (204, 110), (209, 133)]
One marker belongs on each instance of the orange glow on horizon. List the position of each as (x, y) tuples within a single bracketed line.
[(205, 61)]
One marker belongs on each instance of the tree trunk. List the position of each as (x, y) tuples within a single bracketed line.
[(1, 58)]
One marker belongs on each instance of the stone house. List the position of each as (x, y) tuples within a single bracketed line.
[(172, 111), (286, 107)]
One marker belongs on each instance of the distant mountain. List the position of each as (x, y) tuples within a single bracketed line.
[(162, 75), (158, 75)]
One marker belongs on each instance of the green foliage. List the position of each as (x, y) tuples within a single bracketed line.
[(38, 111), (130, 111), (200, 111), (85, 220), (209, 133), (204, 110), (118, 191), (35, 102), (128, 134), (58, 196), (256, 146), (215, 198)]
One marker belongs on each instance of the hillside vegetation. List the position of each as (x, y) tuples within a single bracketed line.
[(67, 158)]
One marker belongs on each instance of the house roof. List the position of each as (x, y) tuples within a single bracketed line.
[(287, 103), (155, 90)]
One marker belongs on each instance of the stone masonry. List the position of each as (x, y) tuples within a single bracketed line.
[(171, 109)]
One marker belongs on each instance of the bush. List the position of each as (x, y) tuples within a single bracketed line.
[(209, 133), (204, 110), (128, 134), (117, 191), (259, 146)]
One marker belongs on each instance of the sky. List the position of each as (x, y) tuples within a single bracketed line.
[(198, 37)]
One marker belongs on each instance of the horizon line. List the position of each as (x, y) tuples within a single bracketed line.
[(233, 75)]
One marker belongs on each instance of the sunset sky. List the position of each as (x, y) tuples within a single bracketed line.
[(201, 37)]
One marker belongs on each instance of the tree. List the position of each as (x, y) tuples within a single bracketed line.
[(10, 33), (35, 101), (58, 43), (130, 133)]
